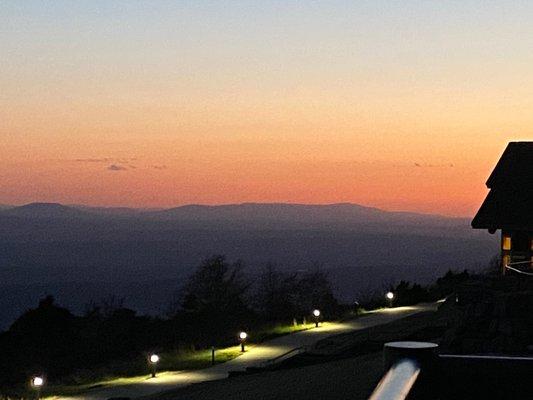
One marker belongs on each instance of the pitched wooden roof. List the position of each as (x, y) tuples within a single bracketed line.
[(509, 204)]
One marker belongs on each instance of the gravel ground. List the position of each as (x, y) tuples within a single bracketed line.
[(352, 378)]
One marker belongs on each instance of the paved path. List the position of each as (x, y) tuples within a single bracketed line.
[(254, 356)]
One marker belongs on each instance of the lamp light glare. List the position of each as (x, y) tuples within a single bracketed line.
[(316, 313), (243, 335), (390, 295), (154, 358), (37, 381)]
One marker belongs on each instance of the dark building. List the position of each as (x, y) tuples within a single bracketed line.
[(509, 205)]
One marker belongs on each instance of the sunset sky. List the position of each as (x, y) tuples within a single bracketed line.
[(398, 105)]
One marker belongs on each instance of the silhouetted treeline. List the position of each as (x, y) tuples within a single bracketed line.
[(217, 301), (407, 293), (50, 340), (284, 296)]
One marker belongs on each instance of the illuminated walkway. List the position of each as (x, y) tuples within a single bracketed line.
[(254, 356)]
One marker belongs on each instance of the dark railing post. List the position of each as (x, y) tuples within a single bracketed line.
[(403, 362)]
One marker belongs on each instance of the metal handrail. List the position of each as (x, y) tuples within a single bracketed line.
[(407, 360), (398, 381), (508, 266), (403, 362)]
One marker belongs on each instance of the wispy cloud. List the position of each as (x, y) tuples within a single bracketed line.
[(115, 167), (93, 160), (418, 165), (123, 160), (114, 163)]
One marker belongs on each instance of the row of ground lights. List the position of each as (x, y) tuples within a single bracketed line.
[(243, 335), (37, 382)]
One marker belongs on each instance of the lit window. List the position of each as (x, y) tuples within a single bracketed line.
[(506, 242)]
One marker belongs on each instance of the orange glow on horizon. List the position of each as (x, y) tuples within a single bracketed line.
[(382, 104), (299, 153), (166, 173)]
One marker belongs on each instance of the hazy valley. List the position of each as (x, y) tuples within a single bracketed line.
[(82, 254)]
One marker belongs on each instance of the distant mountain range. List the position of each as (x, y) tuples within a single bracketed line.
[(246, 214), (83, 254), (43, 211)]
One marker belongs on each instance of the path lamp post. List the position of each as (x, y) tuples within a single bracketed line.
[(390, 298), (37, 383), (154, 359), (316, 314), (242, 338)]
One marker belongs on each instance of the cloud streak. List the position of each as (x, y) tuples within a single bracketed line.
[(115, 167), (106, 159), (93, 160), (418, 165)]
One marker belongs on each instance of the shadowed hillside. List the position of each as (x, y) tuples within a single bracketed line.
[(142, 256)]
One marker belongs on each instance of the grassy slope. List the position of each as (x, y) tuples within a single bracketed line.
[(353, 375), (132, 372)]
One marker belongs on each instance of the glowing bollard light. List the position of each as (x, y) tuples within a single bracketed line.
[(37, 383), (154, 359), (390, 298), (316, 314), (242, 338)]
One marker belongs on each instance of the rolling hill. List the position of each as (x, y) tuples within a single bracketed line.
[(83, 254)]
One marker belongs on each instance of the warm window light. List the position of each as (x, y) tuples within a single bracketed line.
[(506, 242)]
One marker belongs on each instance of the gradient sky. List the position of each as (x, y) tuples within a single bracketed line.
[(399, 105)]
